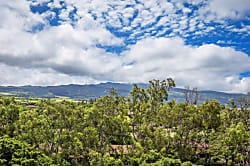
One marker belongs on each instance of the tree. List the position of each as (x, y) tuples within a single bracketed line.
[(9, 114), (243, 102), (210, 111), (109, 117), (55, 129), (14, 152), (191, 95), (158, 93), (145, 106), (186, 127), (141, 129), (234, 144)]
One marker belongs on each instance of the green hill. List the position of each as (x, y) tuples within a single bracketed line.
[(92, 91)]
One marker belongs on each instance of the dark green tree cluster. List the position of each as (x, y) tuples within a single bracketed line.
[(141, 129), (15, 152)]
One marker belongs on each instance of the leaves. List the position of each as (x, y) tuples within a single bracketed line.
[(146, 127), (14, 152)]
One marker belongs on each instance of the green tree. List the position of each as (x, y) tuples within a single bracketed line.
[(9, 114), (109, 116), (14, 152), (234, 145), (210, 111)]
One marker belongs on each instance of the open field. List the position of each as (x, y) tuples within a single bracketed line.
[(6, 93)]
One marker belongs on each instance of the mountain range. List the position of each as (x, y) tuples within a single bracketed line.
[(92, 91)]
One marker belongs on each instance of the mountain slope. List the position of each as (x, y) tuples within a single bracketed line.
[(96, 90)]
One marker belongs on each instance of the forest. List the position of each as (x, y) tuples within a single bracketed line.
[(145, 128)]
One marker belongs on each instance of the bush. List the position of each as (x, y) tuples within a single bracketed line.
[(14, 152)]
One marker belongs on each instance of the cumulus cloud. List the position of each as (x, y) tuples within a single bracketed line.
[(61, 48), (65, 49), (144, 18), (228, 8), (16, 15), (206, 67), (73, 52), (12, 75)]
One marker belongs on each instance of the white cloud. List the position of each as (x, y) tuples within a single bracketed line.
[(66, 53), (16, 15), (221, 42), (207, 66), (65, 49), (42, 77), (227, 8), (55, 4), (116, 13), (186, 10), (243, 85), (61, 48)]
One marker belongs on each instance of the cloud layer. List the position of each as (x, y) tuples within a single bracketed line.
[(82, 42), (207, 67)]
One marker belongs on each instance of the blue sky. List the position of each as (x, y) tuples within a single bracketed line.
[(200, 43)]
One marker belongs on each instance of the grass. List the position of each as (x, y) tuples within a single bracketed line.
[(5, 93), (17, 96)]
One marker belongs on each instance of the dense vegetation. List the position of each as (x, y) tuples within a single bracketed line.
[(142, 129)]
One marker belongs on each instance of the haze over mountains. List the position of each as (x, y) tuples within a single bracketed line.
[(92, 91)]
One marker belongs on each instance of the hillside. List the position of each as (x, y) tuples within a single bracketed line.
[(92, 91)]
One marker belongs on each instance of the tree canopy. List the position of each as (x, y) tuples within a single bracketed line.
[(144, 128)]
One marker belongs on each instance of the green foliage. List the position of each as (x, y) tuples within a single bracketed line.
[(211, 114), (103, 159), (141, 129), (14, 152), (235, 144), (153, 158), (9, 112), (187, 163)]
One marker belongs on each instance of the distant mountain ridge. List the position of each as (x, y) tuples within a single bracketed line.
[(75, 91)]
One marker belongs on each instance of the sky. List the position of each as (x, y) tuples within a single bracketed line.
[(200, 43)]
